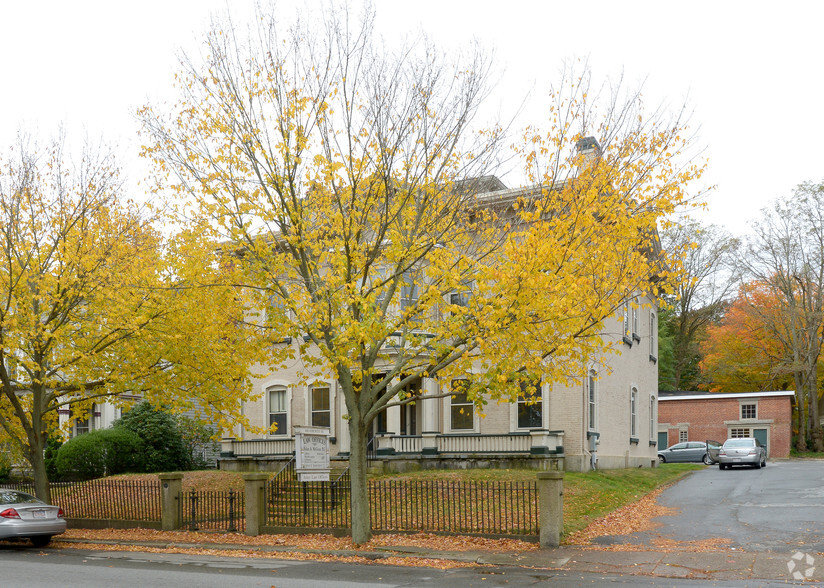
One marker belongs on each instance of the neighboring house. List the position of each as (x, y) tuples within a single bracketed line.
[(698, 416), (609, 418)]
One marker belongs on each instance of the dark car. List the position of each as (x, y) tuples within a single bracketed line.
[(686, 451), (742, 451), (22, 516)]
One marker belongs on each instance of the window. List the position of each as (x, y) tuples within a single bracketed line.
[(739, 432), (626, 333), (652, 418), (633, 413), (592, 398), (653, 337), (461, 409), (321, 413), (459, 298), (530, 406), (682, 436), (749, 410), (635, 329), (409, 412), (278, 410), (82, 426), (409, 292)]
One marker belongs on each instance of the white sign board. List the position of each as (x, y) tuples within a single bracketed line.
[(312, 454)]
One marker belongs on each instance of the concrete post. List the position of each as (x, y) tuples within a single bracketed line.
[(255, 502), (551, 508), (170, 488)]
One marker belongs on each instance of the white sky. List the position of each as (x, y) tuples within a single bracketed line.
[(752, 70)]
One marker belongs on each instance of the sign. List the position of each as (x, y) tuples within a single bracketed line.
[(312, 454)]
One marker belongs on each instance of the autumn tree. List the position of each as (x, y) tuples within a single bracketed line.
[(710, 275), (787, 255), (745, 350), (350, 179), (95, 306)]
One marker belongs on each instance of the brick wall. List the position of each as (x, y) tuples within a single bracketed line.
[(712, 418)]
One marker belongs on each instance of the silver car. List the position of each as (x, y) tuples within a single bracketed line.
[(22, 516), (742, 451), (685, 451)]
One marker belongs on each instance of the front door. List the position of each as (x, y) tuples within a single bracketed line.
[(761, 436), (662, 440)]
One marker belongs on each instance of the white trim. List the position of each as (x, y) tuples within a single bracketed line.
[(513, 412), (289, 416), (307, 402), (715, 396), (447, 404)]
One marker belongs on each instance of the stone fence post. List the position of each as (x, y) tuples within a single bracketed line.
[(551, 508), (170, 487), (255, 502)]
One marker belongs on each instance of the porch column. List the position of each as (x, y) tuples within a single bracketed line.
[(344, 442), (429, 416)]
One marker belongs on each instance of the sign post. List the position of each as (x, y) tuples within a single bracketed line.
[(312, 454)]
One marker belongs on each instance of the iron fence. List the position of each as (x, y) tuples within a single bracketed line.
[(212, 510), (481, 507), (132, 500)]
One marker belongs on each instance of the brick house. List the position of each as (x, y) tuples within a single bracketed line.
[(698, 416)]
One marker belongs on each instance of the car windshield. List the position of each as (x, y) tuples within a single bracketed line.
[(739, 443), (14, 497)]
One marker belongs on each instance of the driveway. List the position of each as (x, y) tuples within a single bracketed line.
[(779, 508)]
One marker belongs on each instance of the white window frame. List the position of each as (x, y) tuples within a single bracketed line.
[(592, 400), (652, 420), (636, 307), (633, 412), (448, 409), (653, 336), (271, 386), (513, 413), (310, 398), (683, 435), (741, 406), (740, 432), (626, 334)]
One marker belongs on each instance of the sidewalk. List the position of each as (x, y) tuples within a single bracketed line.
[(708, 565)]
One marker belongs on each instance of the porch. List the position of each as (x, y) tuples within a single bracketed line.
[(439, 450)]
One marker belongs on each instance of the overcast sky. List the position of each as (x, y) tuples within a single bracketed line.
[(752, 71)]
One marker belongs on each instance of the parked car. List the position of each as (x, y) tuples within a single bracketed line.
[(742, 451), (687, 451), (22, 516)]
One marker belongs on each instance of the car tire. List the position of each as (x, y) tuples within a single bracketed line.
[(41, 540), (764, 462), (706, 459), (662, 459), (721, 466)]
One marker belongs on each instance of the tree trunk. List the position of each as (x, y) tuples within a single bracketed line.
[(361, 524), (801, 406), (815, 425), (37, 460)]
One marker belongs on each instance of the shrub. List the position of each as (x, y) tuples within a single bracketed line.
[(163, 446), (82, 457), (100, 453), (53, 444)]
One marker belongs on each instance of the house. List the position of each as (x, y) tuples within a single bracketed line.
[(606, 417), (698, 416)]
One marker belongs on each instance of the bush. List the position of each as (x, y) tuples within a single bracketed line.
[(82, 458), (5, 468), (163, 446), (53, 444), (104, 452)]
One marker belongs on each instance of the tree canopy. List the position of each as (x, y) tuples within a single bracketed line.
[(97, 306), (351, 179)]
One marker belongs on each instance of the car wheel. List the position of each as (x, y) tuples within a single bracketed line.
[(721, 466), (662, 459), (41, 540), (764, 462), (757, 465), (706, 459)]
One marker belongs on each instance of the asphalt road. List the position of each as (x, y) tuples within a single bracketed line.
[(778, 508), (34, 568)]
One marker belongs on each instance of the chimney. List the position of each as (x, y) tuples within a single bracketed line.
[(589, 149)]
